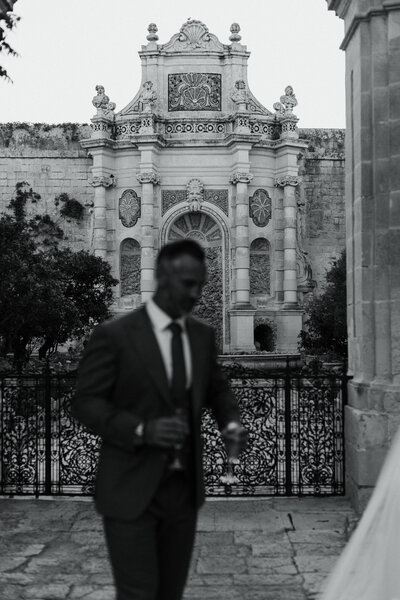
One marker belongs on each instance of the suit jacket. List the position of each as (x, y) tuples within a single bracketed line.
[(121, 382)]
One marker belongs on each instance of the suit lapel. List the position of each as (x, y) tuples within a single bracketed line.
[(146, 345)]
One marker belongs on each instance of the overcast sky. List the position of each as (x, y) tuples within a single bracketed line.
[(66, 47)]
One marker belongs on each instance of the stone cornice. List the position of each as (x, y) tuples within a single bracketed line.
[(284, 180), (97, 143), (148, 177), (341, 8), (105, 181), (241, 177)]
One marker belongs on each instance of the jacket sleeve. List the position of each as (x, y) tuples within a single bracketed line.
[(92, 404), (220, 397)]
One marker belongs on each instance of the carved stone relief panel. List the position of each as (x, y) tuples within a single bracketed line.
[(129, 208), (260, 208), (130, 267), (194, 91), (171, 197), (259, 267), (219, 198)]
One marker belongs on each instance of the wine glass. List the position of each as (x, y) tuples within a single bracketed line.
[(177, 464)]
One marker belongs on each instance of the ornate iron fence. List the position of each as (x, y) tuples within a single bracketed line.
[(295, 424)]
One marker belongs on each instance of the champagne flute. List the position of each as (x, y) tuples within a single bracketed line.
[(177, 464)]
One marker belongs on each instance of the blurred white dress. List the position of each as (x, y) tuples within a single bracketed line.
[(369, 567)]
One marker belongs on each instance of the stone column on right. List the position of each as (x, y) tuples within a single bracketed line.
[(372, 45), (288, 183)]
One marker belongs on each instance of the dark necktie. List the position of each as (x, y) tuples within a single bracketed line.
[(178, 381)]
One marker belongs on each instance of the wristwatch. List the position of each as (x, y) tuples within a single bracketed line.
[(138, 434)]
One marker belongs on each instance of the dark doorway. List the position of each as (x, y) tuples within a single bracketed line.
[(264, 338)]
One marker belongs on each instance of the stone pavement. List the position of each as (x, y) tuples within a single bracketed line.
[(246, 549)]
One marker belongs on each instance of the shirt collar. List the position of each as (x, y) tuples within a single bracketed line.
[(159, 319)]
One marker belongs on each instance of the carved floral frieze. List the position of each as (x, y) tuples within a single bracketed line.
[(170, 198), (129, 208), (148, 177), (260, 208)]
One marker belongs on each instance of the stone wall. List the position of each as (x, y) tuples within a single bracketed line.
[(322, 167), (50, 159)]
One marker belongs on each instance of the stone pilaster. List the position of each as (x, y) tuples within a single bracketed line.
[(148, 179), (372, 45), (279, 228), (100, 183), (289, 183), (242, 254)]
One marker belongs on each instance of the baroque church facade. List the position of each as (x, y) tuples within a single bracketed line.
[(196, 155)]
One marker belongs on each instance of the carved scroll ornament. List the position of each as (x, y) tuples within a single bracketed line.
[(241, 177), (102, 180), (284, 180), (148, 177)]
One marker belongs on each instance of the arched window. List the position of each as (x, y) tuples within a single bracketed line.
[(130, 267), (259, 267)]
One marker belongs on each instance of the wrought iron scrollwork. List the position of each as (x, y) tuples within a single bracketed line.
[(295, 427)]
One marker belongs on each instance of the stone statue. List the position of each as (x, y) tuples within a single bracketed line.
[(148, 96), (289, 100), (102, 102), (240, 95)]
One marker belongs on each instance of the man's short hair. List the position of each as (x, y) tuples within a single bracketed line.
[(174, 249)]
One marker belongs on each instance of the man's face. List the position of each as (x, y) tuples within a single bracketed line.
[(180, 283)]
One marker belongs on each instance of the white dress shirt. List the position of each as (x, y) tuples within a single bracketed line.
[(160, 322)]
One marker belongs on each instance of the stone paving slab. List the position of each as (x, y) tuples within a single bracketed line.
[(246, 549)]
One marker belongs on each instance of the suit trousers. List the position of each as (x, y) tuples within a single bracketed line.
[(150, 555)]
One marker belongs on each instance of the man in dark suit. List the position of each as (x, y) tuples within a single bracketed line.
[(143, 382)]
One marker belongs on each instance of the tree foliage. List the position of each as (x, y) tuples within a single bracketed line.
[(7, 22), (325, 331), (48, 293)]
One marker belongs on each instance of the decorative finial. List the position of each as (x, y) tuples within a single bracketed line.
[(235, 37), (152, 29)]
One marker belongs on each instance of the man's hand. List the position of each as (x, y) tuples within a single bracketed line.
[(165, 432), (235, 437)]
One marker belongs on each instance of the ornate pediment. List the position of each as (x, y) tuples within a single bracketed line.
[(193, 37)]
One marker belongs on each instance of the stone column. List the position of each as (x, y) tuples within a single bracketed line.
[(100, 184), (242, 251), (372, 45), (288, 183), (148, 180), (279, 253)]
